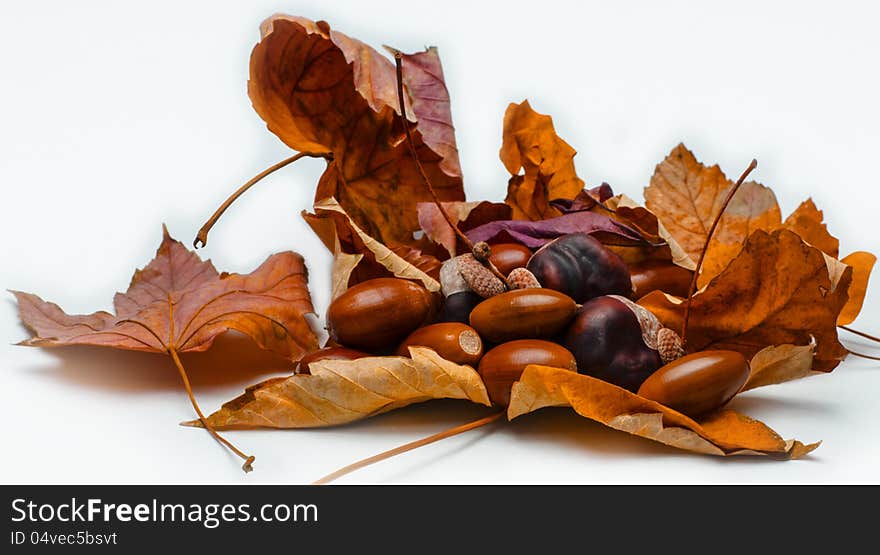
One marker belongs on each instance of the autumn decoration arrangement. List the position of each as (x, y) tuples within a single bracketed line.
[(648, 319)]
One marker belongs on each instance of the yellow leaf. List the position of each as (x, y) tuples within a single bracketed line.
[(342, 391), (862, 263)]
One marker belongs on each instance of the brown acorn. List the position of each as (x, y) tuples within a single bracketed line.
[(523, 313), (453, 341), (504, 364)]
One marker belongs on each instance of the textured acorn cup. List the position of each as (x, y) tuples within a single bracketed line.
[(327, 353), (379, 313), (581, 267), (606, 340), (659, 275), (523, 313), (699, 382), (504, 364), (509, 256), (453, 341)]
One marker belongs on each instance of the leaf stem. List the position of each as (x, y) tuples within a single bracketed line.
[(410, 446), (860, 333), (202, 236), (693, 287), (871, 357), (248, 459), (398, 60)]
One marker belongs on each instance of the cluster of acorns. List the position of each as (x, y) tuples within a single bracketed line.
[(567, 305)]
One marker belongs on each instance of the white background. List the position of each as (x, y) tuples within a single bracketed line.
[(118, 116)]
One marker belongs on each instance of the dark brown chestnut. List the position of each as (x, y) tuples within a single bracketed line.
[(453, 341), (378, 313), (659, 275), (698, 382), (327, 353), (581, 267), (606, 340), (523, 313), (509, 256), (504, 364)]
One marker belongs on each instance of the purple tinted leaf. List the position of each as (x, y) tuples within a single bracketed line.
[(584, 200), (536, 234)]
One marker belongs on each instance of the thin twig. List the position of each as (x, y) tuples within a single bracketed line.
[(860, 333), (398, 60), (409, 447), (248, 459), (693, 287), (202, 236), (871, 357)]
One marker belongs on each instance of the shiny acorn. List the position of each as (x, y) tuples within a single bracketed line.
[(659, 275), (509, 256), (504, 364), (522, 313), (699, 382), (379, 313), (453, 341)]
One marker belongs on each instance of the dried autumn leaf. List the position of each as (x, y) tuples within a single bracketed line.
[(320, 90), (778, 290), (862, 263), (807, 222), (465, 215), (336, 229), (179, 303), (686, 196), (342, 391), (778, 364), (530, 143), (723, 432)]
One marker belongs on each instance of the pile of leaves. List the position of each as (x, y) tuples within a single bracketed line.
[(774, 290)]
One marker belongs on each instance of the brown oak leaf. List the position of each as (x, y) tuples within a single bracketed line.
[(530, 144), (723, 432), (320, 90), (778, 290), (342, 391)]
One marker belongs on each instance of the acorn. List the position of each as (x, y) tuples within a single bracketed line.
[(699, 382), (454, 341), (659, 275), (504, 364), (523, 313), (509, 256), (379, 313)]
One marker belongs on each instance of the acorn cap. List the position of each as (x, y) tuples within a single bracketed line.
[(522, 278), (478, 277)]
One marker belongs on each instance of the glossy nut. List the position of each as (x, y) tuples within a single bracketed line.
[(657, 275), (327, 353), (457, 307), (504, 364), (453, 341), (606, 340), (523, 313), (699, 382), (378, 313), (581, 267), (509, 256)]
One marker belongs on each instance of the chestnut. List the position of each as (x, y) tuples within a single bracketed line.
[(698, 382), (504, 364), (581, 267), (457, 307), (509, 256), (659, 275), (523, 313), (327, 353), (606, 340), (453, 341), (378, 313)]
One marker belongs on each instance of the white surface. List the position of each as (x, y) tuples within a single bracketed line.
[(116, 117)]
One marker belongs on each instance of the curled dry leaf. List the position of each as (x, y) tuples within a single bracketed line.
[(180, 303), (780, 363), (322, 91), (342, 391), (862, 263), (530, 144), (807, 221), (723, 432), (342, 235), (778, 290)]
